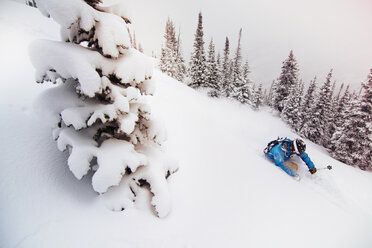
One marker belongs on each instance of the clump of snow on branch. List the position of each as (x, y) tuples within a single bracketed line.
[(81, 22), (100, 109)]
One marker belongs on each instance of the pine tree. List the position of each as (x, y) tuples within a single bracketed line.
[(315, 128), (307, 107), (269, 96), (292, 105), (366, 116), (212, 71), (217, 88), (265, 97), (99, 104), (247, 89), (226, 65), (342, 113), (198, 60), (330, 128), (287, 79), (355, 142), (180, 61), (258, 98), (238, 84), (168, 59), (272, 94)]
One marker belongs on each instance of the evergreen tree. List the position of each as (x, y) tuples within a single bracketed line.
[(258, 98), (326, 114), (247, 88), (315, 128), (366, 116), (292, 105), (330, 128), (355, 143), (168, 59), (180, 61), (198, 60), (287, 79), (348, 136), (212, 71), (265, 97), (307, 107), (99, 104), (272, 94), (226, 72), (342, 113), (217, 89), (238, 84)]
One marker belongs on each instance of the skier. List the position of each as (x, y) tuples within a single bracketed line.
[(282, 150)]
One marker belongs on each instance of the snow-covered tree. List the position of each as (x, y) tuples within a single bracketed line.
[(316, 127), (217, 91), (342, 113), (287, 79), (171, 61), (227, 75), (180, 61), (307, 107), (292, 106), (212, 71), (198, 60), (366, 116), (346, 138), (354, 144), (272, 94), (247, 89), (330, 128), (238, 84), (168, 58), (258, 98), (99, 108)]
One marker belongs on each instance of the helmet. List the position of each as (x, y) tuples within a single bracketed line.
[(299, 146)]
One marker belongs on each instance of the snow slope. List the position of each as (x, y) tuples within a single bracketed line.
[(226, 193)]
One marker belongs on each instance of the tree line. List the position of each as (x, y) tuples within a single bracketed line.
[(225, 75), (339, 121)]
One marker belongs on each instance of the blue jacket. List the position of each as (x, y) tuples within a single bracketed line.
[(282, 152)]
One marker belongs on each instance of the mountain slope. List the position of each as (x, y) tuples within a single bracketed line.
[(226, 193)]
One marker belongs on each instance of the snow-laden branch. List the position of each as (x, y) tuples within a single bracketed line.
[(81, 22), (73, 61)]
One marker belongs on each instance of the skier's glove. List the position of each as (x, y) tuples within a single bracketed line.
[(312, 170)]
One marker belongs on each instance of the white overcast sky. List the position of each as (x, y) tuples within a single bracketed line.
[(323, 34)]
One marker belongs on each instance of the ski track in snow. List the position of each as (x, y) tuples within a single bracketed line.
[(225, 194)]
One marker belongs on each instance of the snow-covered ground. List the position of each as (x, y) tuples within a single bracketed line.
[(225, 194)]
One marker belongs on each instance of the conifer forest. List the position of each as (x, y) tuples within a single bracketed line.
[(324, 111)]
